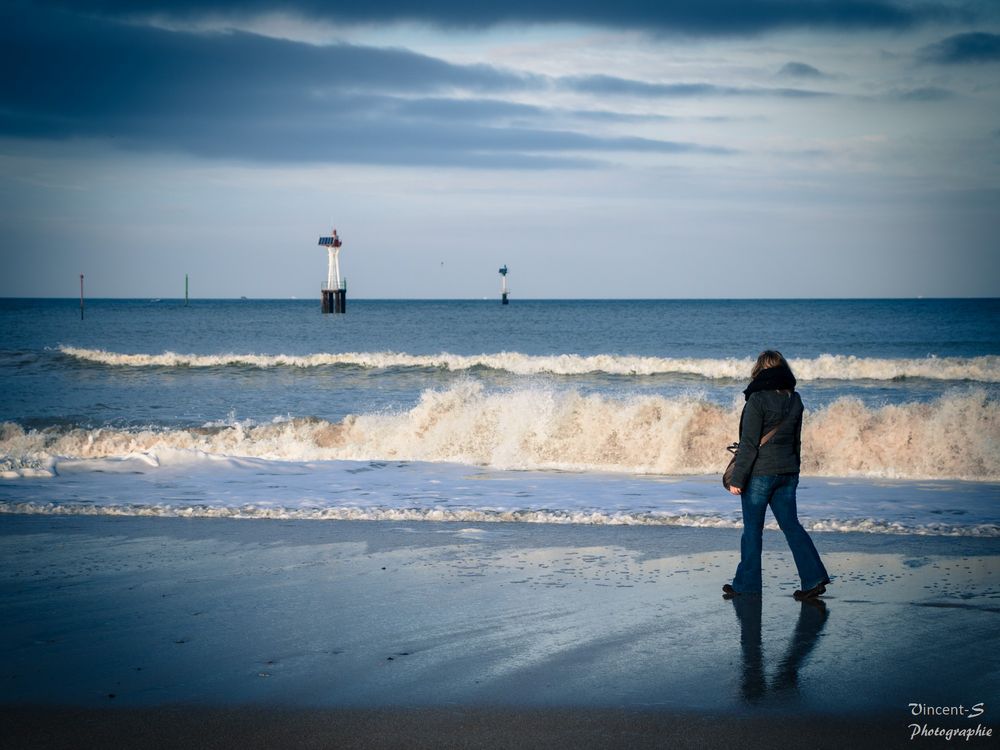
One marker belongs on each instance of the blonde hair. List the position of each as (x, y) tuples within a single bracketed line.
[(767, 359)]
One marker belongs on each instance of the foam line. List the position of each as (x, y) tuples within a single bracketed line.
[(597, 518), (984, 369)]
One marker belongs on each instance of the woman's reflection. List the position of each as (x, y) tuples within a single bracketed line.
[(812, 618)]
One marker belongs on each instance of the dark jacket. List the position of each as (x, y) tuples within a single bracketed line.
[(764, 411)]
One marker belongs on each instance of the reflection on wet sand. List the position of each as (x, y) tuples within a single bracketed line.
[(754, 688)]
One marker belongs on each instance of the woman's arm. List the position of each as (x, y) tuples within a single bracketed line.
[(750, 433), (798, 432)]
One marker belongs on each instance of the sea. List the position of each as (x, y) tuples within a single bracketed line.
[(557, 411)]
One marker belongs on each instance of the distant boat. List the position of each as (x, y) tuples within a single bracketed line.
[(242, 297), (156, 300)]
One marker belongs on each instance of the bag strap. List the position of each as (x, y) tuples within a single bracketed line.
[(770, 435)]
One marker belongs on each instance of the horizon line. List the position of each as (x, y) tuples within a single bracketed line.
[(495, 299)]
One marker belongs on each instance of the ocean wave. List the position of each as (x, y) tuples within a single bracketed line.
[(953, 437), (472, 515), (984, 369)]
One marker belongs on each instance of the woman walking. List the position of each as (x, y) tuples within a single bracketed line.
[(767, 475)]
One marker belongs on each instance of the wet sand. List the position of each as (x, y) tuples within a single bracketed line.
[(154, 632)]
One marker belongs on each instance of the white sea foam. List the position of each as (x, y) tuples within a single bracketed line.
[(471, 515), (956, 436), (984, 369)]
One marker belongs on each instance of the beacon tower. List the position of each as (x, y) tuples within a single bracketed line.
[(335, 291), (503, 285)]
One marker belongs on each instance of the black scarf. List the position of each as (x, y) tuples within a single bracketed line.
[(778, 378)]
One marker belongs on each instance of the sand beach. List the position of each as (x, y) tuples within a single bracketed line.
[(167, 632)]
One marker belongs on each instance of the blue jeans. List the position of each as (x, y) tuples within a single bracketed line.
[(778, 491)]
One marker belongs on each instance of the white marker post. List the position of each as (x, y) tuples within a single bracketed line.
[(503, 285), (334, 294)]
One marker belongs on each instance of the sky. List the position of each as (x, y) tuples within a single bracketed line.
[(712, 149)]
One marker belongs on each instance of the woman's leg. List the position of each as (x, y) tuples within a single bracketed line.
[(811, 570), (754, 500)]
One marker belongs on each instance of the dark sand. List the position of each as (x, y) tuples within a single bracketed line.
[(471, 728), (152, 632)]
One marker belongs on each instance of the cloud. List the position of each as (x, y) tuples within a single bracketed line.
[(601, 115), (922, 94), (238, 95), (800, 70), (971, 47), (707, 17), (467, 109), (493, 110), (84, 63), (602, 84)]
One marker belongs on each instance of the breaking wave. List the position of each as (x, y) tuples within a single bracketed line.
[(985, 369), (956, 436)]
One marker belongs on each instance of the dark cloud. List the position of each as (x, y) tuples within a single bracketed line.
[(971, 47), (601, 115), (800, 70), (238, 95), (84, 64), (399, 143), (602, 84), (922, 94), (493, 110), (467, 109), (707, 17), (803, 153)]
